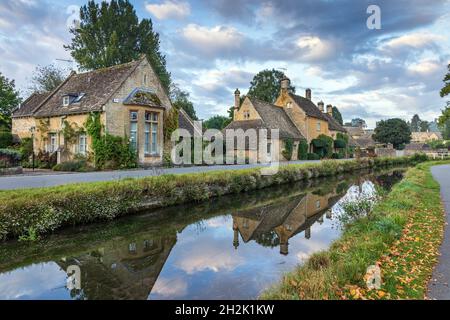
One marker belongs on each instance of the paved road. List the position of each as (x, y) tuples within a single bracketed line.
[(439, 286), (49, 180)]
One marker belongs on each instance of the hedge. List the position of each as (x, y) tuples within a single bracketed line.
[(6, 139), (43, 210)]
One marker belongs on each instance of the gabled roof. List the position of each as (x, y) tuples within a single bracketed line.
[(98, 86), (143, 97), (355, 131), (185, 122), (333, 124), (276, 118), (308, 106), (272, 117), (27, 107), (417, 136)]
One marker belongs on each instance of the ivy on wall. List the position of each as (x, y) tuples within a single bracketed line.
[(288, 148)]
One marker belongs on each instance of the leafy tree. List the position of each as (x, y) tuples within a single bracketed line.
[(47, 78), (180, 100), (9, 100), (337, 116), (358, 123), (444, 119), (415, 123), (395, 131), (266, 85), (446, 89), (110, 33), (217, 122), (424, 126)]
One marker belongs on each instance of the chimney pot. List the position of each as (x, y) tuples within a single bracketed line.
[(308, 94), (285, 83), (321, 106), (330, 109)]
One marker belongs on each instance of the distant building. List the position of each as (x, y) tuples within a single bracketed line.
[(425, 136)]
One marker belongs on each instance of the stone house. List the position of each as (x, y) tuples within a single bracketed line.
[(296, 117), (129, 98), (421, 137)]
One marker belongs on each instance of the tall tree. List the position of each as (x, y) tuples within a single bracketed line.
[(180, 100), (424, 126), (217, 122), (359, 123), (47, 78), (444, 119), (266, 85), (415, 123), (338, 116), (395, 131), (9, 98), (110, 33)]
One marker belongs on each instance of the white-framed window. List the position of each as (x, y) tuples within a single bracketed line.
[(66, 101), (52, 143), (82, 144), (134, 129), (318, 126), (246, 115), (151, 133), (269, 148)]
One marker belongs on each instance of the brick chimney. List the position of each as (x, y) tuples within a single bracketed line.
[(321, 106), (330, 109), (308, 94), (285, 84), (237, 102)]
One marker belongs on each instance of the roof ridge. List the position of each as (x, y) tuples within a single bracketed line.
[(52, 93)]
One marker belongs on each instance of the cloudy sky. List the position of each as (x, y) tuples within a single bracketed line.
[(215, 46)]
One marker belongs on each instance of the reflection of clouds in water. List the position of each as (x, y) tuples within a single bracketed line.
[(172, 288), (33, 281), (207, 257), (218, 222)]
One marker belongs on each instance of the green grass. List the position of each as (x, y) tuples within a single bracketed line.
[(31, 213), (402, 236)]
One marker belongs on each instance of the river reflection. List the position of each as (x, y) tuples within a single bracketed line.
[(228, 248)]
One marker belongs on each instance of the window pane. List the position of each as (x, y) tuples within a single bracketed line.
[(147, 138), (154, 138)]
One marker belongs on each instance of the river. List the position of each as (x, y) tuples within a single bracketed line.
[(232, 247)]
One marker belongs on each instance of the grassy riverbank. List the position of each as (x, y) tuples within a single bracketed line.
[(402, 236), (27, 214)]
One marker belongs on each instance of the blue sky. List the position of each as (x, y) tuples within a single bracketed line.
[(215, 46)]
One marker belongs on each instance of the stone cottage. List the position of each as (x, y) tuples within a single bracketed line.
[(129, 98), (296, 117)]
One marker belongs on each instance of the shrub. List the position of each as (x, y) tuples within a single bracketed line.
[(6, 139), (73, 166), (38, 211), (340, 144), (313, 156), (9, 158), (303, 150), (46, 160), (288, 149), (26, 148)]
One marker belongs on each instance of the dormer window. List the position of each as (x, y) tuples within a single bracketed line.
[(66, 101)]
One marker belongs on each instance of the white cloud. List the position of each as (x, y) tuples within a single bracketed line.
[(212, 40), (413, 40), (169, 9), (170, 288), (425, 67), (314, 49)]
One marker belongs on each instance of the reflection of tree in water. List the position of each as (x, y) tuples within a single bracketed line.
[(387, 181), (268, 239)]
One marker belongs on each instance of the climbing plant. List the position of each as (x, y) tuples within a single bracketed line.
[(70, 132), (288, 149), (110, 152), (323, 146), (303, 150)]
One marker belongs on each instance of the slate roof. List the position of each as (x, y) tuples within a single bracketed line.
[(272, 117), (276, 118), (417, 146), (97, 86), (27, 107), (309, 107), (333, 124), (185, 122)]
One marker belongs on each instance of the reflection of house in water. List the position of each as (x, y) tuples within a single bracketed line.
[(124, 270), (276, 223)]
